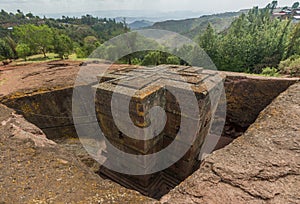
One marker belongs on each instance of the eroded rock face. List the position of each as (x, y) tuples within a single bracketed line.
[(262, 166), (43, 94), (51, 111), (36, 170), (44, 90), (248, 95)]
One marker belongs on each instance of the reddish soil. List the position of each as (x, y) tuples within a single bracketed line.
[(43, 76)]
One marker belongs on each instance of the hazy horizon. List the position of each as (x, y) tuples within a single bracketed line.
[(132, 7)]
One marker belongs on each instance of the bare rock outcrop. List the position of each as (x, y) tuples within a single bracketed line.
[(248, 95), (262, 166), (36, 170)]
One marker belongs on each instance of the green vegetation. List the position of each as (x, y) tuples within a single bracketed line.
[(293, 47), (23, 50), (255, 42), (38, 38), (6, 51), (251, 41), (192, 27), (268, 71), (291, 66), (23, 35), (62, 45)]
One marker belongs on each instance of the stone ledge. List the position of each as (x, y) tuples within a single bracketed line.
[(262, 166), (36, 170)]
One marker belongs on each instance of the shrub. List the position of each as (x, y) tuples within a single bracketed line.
[(23, 50), (173, 60), (80, 53), (268, 71), (136, 61), (291, 66)]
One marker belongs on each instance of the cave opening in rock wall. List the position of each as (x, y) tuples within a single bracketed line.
[(51, 111)]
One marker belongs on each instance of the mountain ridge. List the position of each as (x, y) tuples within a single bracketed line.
[(191, 27)]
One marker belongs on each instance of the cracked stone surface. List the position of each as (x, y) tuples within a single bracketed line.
[(262, 166), (36, 170)]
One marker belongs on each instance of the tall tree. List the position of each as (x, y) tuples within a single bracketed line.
[(38, 38), (91, 43), (63, 45), (5, 50), (208, 41), (253, 41), (295, 5), (272, 6), (294, 42), (152, 58)]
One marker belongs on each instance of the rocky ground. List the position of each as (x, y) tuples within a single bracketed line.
[(36, 170), (262, 166), (41, 76), (16, 78)]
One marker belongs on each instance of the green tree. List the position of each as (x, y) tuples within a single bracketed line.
[(12, 44), (63, 45), (38, 38), (185, 52), (23, 51), (294, 42), (253, 41), (29, 15), (90, 44), (173, 60), (5, 50), (80, 53), (295, 5), (20, 14), (208, 41), (152, 58), (272, 6)]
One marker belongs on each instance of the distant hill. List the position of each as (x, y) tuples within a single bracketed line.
[(140, 24), (132, 15), (194, 26)]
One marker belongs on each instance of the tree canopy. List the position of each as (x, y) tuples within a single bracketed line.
[(255, 40)]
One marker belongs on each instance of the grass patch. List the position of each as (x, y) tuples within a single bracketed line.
[(270, 71), (40, 58)]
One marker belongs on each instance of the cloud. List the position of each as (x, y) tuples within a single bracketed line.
[(67, 6), (13, 1)]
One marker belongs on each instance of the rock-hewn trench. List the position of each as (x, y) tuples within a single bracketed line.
[(51, 111)]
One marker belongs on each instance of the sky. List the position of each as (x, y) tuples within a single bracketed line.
[(69, 6)]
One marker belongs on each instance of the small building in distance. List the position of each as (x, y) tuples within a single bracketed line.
[(282, 13), (287, 13), (296, 15)]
